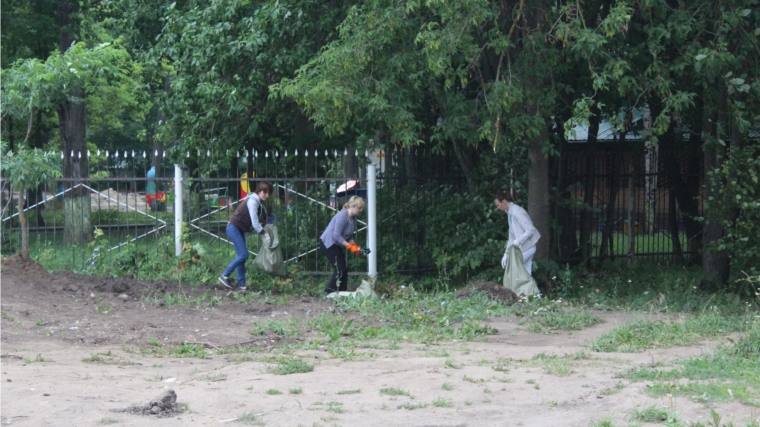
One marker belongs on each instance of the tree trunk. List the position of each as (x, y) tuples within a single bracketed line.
[(567, 240), (23, 224), (36, 195), (465, 164), (688, 200), (77, 223), (609, 221), (674, 233), (684, 190), (715, 263), (651, 154), (589, 185), (11, 135), (71, 124), (538, 189)]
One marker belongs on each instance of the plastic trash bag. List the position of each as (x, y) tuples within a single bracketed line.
[(269, 258), (365, 290), (516, 277)]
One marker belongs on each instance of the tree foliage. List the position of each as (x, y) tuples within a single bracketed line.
[(224, 55), (105, 70), (26, 168)]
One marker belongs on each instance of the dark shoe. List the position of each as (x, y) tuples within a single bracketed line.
[(225, 281), (243, 289)]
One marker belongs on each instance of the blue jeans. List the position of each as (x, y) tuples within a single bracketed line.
[(238, 239)]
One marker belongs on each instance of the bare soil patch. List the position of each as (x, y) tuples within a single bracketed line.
[(81, 309), (67, 363)]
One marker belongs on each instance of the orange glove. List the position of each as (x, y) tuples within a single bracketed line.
[(353, 247)]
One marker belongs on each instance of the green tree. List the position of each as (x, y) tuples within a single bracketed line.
[(224, 55), (59, 83), (695, 64), (27, 168), (473, 76)]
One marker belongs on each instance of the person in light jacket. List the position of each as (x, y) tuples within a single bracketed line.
[(522, 232), (245, 218), (339, 234)]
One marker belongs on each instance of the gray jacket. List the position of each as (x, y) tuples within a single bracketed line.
[(340, 230), (521, 229)]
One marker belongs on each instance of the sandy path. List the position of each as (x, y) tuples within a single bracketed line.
[(67, 391)]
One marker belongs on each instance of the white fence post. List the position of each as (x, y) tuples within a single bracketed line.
[(177, 210), (372, 219)]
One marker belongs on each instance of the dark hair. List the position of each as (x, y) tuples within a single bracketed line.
[(263, 186), (502, 196)]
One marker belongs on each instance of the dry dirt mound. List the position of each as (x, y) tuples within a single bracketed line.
[(15, 263), (27, 272), (125, 310), (494, 291)]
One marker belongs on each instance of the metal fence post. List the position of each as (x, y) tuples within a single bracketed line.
[(177, 210), (372, 219)]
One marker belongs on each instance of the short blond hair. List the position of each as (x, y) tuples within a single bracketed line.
[(354, 201)]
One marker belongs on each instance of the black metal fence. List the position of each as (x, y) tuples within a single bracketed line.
[(627, 196), (631, 210), (131, 205)]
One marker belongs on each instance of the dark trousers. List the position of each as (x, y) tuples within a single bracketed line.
[(337, 258)]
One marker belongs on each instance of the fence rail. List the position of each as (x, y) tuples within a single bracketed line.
[(131, 210), (631, 209)]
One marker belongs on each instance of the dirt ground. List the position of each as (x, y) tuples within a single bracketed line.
[(51, 322)]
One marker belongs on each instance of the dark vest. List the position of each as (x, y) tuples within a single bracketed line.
[(241, 219)]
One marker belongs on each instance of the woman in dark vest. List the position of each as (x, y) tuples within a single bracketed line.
[(245, 218)]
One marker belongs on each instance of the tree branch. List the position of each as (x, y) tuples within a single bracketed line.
[(29, 125)]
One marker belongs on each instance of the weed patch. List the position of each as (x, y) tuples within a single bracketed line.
[(292, 367), (250, 418), (189, 350), (411, 406), (721, 376), (442, 403), (643, 334), (107, 358), (392, 391)]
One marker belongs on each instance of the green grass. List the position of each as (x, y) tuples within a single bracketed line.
[(107, 358), (336, 407), (643, 334), (610, 391), (357, 391), (602, 422), (561, 365), (291, 367), (392, 391), (501, 365), (452, 364), (250, 418), (273, 392), (298, 390), (189, 350), (442, 403), (650, 414), (411, 406), (214, 377), (726, 374)]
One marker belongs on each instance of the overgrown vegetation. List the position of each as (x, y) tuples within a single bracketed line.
[(643, 334), (725, 374)]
